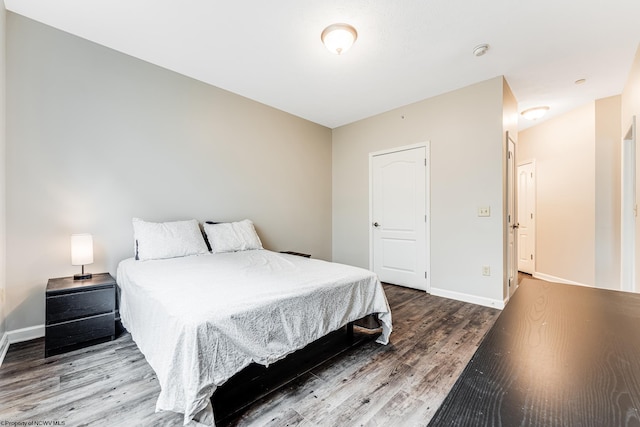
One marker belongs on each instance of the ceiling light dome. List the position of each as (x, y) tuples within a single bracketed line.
[(338, 38), (535, 113)]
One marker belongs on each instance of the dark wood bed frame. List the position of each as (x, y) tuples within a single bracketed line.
[(257, 381)]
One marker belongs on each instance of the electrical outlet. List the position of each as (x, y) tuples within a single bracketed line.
[(484, 211), (486, 270)]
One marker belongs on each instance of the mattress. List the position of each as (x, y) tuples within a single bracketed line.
[(200, 319)]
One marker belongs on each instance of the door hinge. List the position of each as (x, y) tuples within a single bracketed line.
[(425, 274), (532, 257), (531, 215), (425, 218), (425, 161)]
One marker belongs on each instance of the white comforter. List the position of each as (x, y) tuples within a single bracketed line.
[(201, 319)]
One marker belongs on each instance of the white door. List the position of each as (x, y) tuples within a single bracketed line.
[(398, 217), (512, 220), (526, 217)]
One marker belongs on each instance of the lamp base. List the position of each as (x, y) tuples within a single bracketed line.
[(82, 276)]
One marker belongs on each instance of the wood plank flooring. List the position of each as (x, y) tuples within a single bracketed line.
[(401, 384)]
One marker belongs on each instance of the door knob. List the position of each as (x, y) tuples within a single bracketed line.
[(375, 224)]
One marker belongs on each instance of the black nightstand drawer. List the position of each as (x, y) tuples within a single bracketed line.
[(79, 312), (74, 306), (79, 331)]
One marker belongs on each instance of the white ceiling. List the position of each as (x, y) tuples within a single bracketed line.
[(407, 50)]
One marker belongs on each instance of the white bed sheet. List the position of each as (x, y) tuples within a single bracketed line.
[(200, 319)]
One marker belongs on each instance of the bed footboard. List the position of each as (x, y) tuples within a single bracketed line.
[(256, 381), (350, 332)]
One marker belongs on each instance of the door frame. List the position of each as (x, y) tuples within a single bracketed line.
[(628, 211), (511, 273), (427, 208)]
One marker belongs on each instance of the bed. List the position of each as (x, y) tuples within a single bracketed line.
[(201, 318)]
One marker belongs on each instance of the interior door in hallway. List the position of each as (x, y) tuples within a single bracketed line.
[(399, 217), (526, 217)]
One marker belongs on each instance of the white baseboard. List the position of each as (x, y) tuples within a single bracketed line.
[(473, 299), (4, 346), (550, 278), (26, 334)]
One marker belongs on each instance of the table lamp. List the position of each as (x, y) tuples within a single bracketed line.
[(81, 253)]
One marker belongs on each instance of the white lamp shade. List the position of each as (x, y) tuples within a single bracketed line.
[(338, 38), (81, 249)]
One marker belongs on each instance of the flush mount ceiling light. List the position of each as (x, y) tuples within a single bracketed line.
[(535, 113), (338, 38), (481, 49)]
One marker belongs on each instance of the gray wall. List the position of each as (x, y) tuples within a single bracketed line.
[(465, 129), (96, 137)]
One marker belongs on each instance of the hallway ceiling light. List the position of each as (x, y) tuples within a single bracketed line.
[(535, 113), (338, 38)]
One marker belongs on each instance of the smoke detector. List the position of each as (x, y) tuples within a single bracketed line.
[(481, 49)]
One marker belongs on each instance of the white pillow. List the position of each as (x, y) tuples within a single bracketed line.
[(159, 240), (232, 236)]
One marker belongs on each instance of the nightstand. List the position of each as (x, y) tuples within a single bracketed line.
[(296, 253), (79, 312)]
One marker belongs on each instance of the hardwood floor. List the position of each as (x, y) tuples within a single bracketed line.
[(400, 384)]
